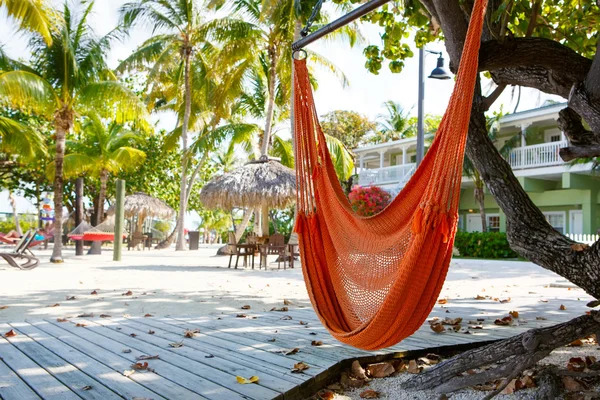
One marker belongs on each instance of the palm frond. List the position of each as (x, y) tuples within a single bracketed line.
[(283, 149), (341, 157), (73, 165), (125, 158), (19, 139), (28, 92), (31, 15)]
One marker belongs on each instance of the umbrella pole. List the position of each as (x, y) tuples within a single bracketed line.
[(265, 221)]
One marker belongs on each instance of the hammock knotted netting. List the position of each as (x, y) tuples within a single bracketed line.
[(374, 280)]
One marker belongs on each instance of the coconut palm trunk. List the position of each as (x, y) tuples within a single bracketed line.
[(63, 123), (187, 51)]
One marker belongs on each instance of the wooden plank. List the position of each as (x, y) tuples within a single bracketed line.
[(172, 382), (280, 379), (65, 372), (140, 343), (12, 387), (260, 350), (94, 361), (42, 382)]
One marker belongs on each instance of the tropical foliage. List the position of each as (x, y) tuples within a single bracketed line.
[(368, 200)]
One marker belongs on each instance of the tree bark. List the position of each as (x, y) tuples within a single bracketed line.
[(480, 197), (63, 121), (187, 52), (271, 101)]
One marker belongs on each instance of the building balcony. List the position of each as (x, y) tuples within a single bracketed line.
[(536, 156)]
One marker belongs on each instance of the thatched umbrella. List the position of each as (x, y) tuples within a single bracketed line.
[(142, 205), (260, 184)]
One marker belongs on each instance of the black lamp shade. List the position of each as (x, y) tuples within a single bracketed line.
[(440, 72)]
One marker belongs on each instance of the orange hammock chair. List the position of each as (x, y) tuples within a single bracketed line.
[(374, 280)]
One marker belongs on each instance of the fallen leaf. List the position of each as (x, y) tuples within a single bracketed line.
[(287, 302), (451, 321), (579, 246), (151, 332), (540, 318), (189, 333), (105, 316), (543, 300), (313, 333), (126, 351), (511, 387), (55, 305), (133, 334), (70, 298), (209, 356), (316, 343), (244, 381), (369, 394), (128, 372), (128, 293), (289, 352), (94, 292), (434, 358), (303, 323), (562, 308), (527, 382), (437, 328), (80, 325), (413, 367), (271, 340), (299, 367), (443, 301), (326, 395), (286, 318), (142, 358), (86, 315), (514, 314), (380, 370), (475, 327), (176, 344), (505, 300), (357, 370), (504, 321), (86, 388), (281, 309), (479, 297), (347, 381), (241, 316), (139, 366), (148, 315), (11, 333), (576, 343), (3, 307), (62, 320), (576, 364), (572, 384)]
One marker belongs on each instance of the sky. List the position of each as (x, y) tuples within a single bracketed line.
[(365, 94)]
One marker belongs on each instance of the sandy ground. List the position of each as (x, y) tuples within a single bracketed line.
[(196, 283)]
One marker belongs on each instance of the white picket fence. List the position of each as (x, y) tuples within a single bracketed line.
[(583, 238)]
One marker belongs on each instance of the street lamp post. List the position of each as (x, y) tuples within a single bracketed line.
[(438, 73)]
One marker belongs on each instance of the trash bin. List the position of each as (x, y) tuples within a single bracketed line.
[(194, 237)]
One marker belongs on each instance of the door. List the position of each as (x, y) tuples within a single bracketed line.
[(474, 223), (576, 222)]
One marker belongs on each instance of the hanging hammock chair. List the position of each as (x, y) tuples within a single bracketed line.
[(79, 231), (104, 232), (374, 280)]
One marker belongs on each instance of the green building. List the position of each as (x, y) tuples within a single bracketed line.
[(568, 195)]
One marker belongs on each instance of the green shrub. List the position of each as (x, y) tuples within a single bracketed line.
[(483, 245), (9, 225)]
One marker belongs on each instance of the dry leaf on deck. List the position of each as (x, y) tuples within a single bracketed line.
[(475, 327), (105, 316), (504, 321), (511, 387), (369, 394), (505, 300), (55, 305), (576, 343), (286, 318), (316, 343), (190, 333), (126, 351), (433, 358), (133, 334), (576, 364), (271, 340), (540, 318), (451, 321), (289, 352), (303, 323), (80, 325), (128, 293), (282, 309), (326, 395), (514, 314), (241, 316), (579, 246), (572, 384), (70, 298), (479, 297), (139, 366), (94, 292), (357, 370), (176, 344), (128, 372), (62, 320), (86, 388), (413, 367), (286, 302), (442, 301), (148, 315), (151, 332), (380, 370), (562, 308), (3, 307), (299, 367), (142, 358), (11, 333), (86, 315), (246, 307), (437, 328), (243, 381)]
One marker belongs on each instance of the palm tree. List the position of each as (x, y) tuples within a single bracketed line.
[(65, 78), (395, 124), (31, 15), (19, 139)]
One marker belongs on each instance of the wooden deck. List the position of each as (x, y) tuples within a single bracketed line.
[(60, 360)]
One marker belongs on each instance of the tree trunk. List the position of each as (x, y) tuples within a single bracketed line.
[(187, 52), (243, 224), (96, 247), (480, 197), (264, 152), (13, 205), (63, 121)]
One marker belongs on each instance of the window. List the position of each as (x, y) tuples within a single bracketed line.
[(556, 220), (555, 138), (493, 223)]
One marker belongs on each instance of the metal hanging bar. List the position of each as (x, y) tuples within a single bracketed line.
[(338, 23)]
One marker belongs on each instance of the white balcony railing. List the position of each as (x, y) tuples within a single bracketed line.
[(539, 155), (397, 174)]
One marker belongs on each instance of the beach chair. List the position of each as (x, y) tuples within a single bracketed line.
[(237, 250), (8, 239), (17, 258)]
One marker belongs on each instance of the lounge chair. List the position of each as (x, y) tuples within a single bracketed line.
[(17, 258)]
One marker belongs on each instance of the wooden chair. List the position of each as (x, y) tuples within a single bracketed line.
[(17, 256), (275, 246), (135, 240), (235, 249)]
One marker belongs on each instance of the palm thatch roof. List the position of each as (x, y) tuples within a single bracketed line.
[(143, 206), (256, 184)]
